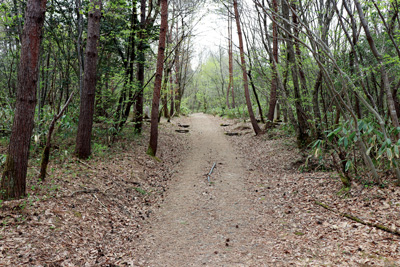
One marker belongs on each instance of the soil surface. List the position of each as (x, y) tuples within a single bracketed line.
[(201, 222)]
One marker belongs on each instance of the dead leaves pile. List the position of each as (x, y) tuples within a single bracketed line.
[(90, 213)]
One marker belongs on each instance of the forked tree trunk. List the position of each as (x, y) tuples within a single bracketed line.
[(253, 120), (152, 150), (13, 182), (84, 135)]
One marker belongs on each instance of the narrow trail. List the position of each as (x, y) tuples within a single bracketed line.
[(202, 224)]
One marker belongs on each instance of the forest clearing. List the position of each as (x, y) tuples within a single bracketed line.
[(199, 133)]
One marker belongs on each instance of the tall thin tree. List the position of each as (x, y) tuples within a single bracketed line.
[(84, 135), (274, 83), (152, 150), (253, 120), (140, 67), (13, 182)]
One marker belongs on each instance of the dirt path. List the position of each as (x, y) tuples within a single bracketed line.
[(202, 224)]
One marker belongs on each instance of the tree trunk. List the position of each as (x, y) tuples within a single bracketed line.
[(229, 57), (13, 182), (152, 150), (83, 138), (46, 151), (302, 137), (379, 58), (274, 83), (140, 68), (253, 120), (230, 52)]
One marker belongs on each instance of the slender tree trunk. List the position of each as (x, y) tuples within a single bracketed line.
[(46, 151), (230, 52), (302, 137), (229, 57), (253, 120), (256, 96), (152, 150), (140, 68), (316, 109), (274, 83), (84, 135), (379, 58), (13, 182), (79, 49)]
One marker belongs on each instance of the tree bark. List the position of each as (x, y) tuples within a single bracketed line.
[(274, 83), (256, 128), (152, 150), (140, 68), (302, 137), (46, 151), (13, 182), (230, 54), (379, 58), (84, 135)]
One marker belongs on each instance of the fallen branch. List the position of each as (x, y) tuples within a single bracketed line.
[(212, 168), (101, 203), (84, 163), (86, 191), (356, 219)]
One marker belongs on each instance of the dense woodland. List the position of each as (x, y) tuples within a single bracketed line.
[(323, 71)]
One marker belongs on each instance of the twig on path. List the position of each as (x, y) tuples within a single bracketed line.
[(356, 219), (101, 203), (212, 168)]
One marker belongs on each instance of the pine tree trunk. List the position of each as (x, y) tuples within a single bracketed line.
[(253, 120), (13, 182), (152, 150), (84, 135)]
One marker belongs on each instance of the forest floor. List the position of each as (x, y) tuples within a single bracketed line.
[(124, 208)]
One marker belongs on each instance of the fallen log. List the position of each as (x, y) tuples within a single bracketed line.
[(359, 220)]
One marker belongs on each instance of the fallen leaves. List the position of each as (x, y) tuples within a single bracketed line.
[(302, 233), (89, 213)]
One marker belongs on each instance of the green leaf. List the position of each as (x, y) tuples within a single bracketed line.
[(389, 153), (317, 151), (396, 151), (346, 142), (352, 136), (349, 163)]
